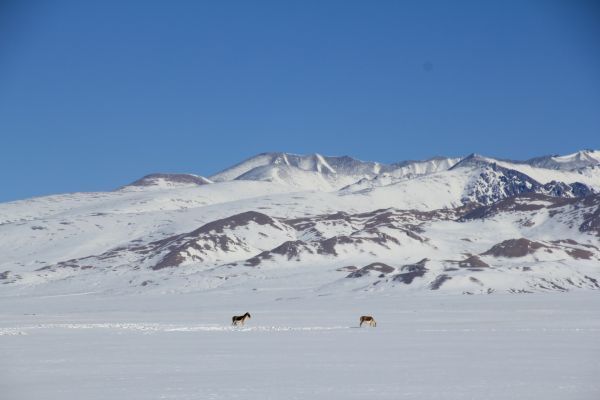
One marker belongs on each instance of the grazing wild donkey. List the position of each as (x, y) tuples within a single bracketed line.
[(369, 320), (240, 319)]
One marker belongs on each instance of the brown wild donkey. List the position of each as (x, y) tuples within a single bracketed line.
[(240, 319), (369, 320)]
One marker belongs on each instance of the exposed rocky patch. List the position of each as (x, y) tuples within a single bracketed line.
[(524, 203), (290, 250), (197, 245), (576, 250), (382, 268), (236, 221), (561, 189), (411, 271), (593, 281), (475, 280), (580, 254), (409, 221), (591, 221), (514, 248), (439, 281), (473, 262), (8, 277), (81, 263), (571, 242), (198, 250), (329, 246), (496, 183)]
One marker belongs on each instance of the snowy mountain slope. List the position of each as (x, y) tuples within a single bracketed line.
[(310, 172), (588, 175), (470, 180), (495, 182), (134, 200), (582, 167), (313, 163), (524, 244), (45, 230), (569, 162), (405, 170), (165, 180), (295, 177), (433, 225), (325, 173)]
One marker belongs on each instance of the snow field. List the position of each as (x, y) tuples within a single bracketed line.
[(541, 346)]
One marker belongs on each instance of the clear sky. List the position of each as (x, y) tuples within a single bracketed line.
[(96, 94)]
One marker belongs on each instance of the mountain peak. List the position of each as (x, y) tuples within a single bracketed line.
[(161, 179), (568, 162), (310, 163), (474, 159)]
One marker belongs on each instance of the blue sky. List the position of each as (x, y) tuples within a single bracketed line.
[(95, 95)]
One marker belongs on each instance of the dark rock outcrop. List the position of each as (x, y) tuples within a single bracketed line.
[(411, 271), (377, 267), (236, 221), (439, 281), (514, 248), (473, 262)]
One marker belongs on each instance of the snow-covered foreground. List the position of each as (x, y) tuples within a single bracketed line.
[(300, 346)]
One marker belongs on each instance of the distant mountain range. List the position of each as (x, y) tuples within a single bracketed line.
[(469, 225), (333, 173)]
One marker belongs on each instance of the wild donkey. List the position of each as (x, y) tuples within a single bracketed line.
[(369, 320), (240, 319)]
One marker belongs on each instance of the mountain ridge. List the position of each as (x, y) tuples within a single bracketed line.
[(337, 172)]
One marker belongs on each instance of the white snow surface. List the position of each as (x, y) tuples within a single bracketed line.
[(300, 346)]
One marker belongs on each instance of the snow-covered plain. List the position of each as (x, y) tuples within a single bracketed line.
[(299, 345)]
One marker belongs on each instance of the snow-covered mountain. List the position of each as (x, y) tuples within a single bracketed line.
[(164, 180), (310, 163), (569, 162), (469, 225), (324, 173)]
